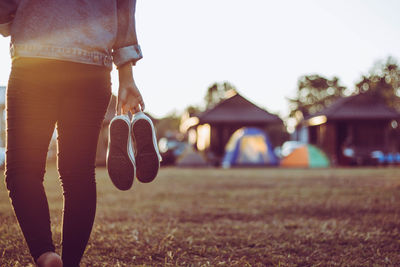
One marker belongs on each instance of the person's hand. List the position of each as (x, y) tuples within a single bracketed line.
[(129, 97)]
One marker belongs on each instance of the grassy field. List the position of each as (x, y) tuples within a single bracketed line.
[(237, 217)]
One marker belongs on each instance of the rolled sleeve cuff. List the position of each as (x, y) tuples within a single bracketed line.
[(127, 54), (5, 29)]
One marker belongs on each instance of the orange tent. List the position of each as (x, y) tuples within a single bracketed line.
[(306, 156)]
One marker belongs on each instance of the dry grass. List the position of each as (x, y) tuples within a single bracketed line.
[(238, 217)]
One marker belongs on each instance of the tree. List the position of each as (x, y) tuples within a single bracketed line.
[(314, 93), (383, 80), (192, 110), (217, 92), (168, 126)]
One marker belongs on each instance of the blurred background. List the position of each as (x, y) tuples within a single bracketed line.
[(266, 83)]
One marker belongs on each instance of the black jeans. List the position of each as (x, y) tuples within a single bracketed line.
[(43, 93)]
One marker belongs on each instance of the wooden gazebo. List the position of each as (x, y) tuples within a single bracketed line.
[(228, 116), (361, 122)]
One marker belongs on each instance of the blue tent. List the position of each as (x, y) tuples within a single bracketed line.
[(249, 147)]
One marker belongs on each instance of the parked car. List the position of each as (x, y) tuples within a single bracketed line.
[(362, 156), (170, 149), (381, 158)]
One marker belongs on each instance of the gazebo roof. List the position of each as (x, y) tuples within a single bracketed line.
[(359, 107), (237, 109)]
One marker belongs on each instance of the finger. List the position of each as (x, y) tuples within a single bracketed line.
[(127, 105), (140, 101), (142, 106), (119, 106), (134, 103), (135, 109), (121, 100), (125, 109)]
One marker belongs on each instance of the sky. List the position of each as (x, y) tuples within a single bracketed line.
[(261, 47)]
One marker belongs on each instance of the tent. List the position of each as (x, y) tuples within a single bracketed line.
[(306, 156), (249, 147), (191, 158)]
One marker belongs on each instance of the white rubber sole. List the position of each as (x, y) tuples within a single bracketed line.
[(147, 154), (120, 157)]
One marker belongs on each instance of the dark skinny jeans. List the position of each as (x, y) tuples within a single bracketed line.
[(42, 94)]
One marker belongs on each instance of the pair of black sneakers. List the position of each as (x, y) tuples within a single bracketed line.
[(132, 150)]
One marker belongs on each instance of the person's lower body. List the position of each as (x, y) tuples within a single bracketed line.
[(41, 94)]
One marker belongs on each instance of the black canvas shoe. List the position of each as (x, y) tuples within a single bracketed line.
[(120, 156), (147, 155)]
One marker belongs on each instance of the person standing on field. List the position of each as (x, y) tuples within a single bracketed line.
[(62, 54)]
